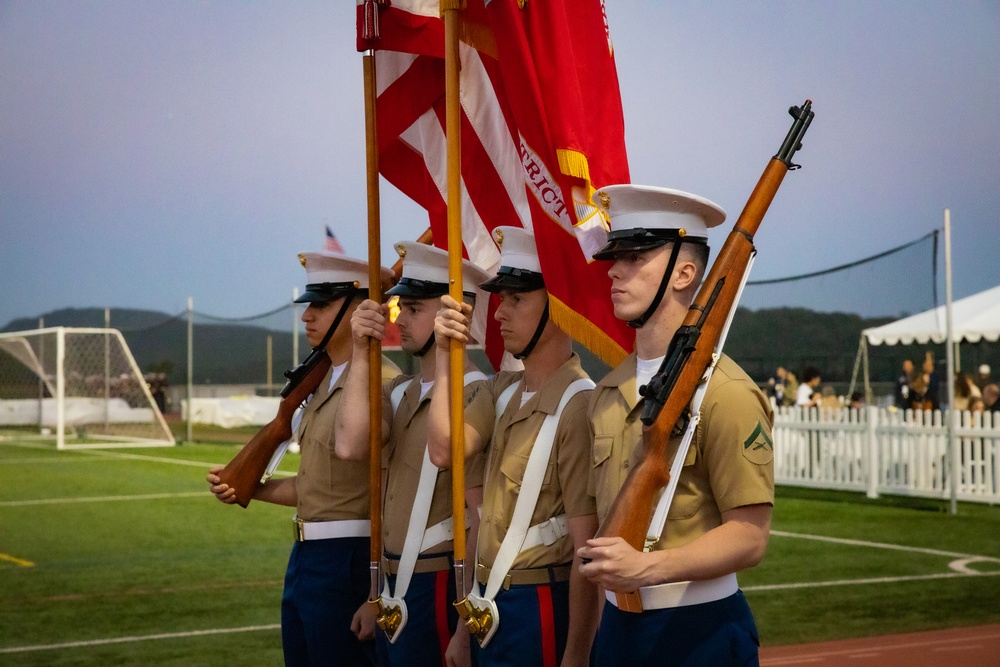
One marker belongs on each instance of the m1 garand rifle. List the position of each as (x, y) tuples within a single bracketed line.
[(246, 471), (692, 352)]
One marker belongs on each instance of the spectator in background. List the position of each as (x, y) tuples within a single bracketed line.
[(975, 404), (965, 391), (806, 396), (857, 401), (828, 398), (931, 377), (983, 376), (903, 385), (791, 388), (991, 398), (778, 386), (920, 396)]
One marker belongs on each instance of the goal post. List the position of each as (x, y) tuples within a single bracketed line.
[(79, 387)]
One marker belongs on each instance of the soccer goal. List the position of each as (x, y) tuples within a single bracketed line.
[(78, 387)]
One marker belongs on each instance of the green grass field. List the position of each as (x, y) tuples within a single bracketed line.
[(122, 557)]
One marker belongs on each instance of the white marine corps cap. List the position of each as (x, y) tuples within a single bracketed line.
[(330, 276), (520, 270), (643, 217), (425, 272)]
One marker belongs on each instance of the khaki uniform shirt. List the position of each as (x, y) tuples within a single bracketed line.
[(329, 488), (564, 487), (402, 459), (730, 463)]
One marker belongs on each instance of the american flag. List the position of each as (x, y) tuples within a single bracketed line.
[(332, 244), (531, 158)]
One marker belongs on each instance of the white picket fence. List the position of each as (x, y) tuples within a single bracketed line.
[(879, 450)]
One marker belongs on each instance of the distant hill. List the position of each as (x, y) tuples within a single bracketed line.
[(762, 340), (228, 353)]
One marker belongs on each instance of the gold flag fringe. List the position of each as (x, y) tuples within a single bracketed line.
[(574, 163), (586, 332)]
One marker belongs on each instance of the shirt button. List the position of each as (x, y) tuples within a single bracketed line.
[(625, 465)]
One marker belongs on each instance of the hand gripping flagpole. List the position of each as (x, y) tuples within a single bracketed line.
[(386, 619), (450, 9)]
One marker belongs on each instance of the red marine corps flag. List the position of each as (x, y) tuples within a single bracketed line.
[(542, 127)]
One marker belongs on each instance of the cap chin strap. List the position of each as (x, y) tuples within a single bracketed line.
[(538, 333), (336, 322), (426, 348), (664, 282)]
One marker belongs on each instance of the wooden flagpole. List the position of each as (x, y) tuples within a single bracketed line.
[(450, 9), (374, 346)]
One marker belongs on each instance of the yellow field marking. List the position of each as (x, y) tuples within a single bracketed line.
[(16, 561)]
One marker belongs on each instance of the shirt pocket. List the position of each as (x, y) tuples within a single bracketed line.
[(411, 457), (514, 467), (602, 449), (687, 499)]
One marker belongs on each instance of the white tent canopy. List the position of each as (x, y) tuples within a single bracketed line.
[(974, 318)]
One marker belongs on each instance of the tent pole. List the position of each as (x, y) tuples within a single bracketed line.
[(869, 399), (854, 373), (950, 367)]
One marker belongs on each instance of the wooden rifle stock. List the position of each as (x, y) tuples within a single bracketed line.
[(244, 472), (669, 393)]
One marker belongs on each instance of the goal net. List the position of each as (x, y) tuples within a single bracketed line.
[(78, 387)]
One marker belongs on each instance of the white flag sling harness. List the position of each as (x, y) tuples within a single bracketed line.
[(484, 616), (393, 616)]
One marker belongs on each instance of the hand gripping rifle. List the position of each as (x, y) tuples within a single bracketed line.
[(245, 472), (691, 353)]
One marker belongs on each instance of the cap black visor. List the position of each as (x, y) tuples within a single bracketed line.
[(418, 289), (323, 292), (640, 240), (514, 280)]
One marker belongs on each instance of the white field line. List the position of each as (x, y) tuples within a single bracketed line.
[(45, 459), (883, 545), (102, 454), (872, 580), (103, 499), (139, 638), (958, 565)]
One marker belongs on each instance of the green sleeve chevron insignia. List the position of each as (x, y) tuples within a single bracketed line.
[(758, 448)]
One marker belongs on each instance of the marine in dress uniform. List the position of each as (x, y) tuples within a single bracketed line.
[(324, 618), (546, 610), (719, 519), (431, 619)]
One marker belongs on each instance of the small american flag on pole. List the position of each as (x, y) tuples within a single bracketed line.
[(332, 244)]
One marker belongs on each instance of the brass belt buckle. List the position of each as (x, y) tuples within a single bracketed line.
[(298, 529)]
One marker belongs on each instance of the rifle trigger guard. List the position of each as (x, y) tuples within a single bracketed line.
[(682, 424)]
